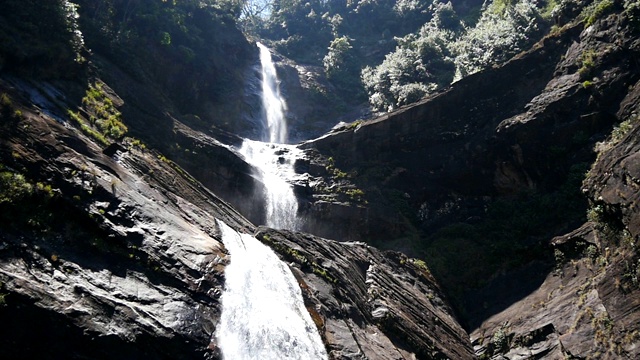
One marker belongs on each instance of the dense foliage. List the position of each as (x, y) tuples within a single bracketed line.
[(397, 51), (341, 36), (421, 63), (446, 48), (40, 46), (501, 32), (392, 51), (191, 46)]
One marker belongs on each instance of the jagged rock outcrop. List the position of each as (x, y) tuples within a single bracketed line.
[(439, 176), (123, 260), (116, 254), (370, 304), (588, 307)]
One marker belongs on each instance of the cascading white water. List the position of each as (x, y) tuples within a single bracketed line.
[(263, 314), (274, 160), (275, 164), (274, 104)]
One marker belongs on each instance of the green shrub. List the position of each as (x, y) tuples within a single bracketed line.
[(596, 10), (341, 66), (587, 62), (6, 105), (5, 101), (443, 50), (621, 130), (421, 64), (632, 9), (595, 214), (500, 341), (104, 119), (498, 35), (86, 128), (13, 187)]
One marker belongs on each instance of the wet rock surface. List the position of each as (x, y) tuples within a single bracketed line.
[(370, 304), (125, 262), (496, 133), (587, 307), (519, 128)]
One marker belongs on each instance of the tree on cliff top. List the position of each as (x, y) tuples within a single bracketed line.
[(40, 46), (189, 47), (421, 63), (445, 49)]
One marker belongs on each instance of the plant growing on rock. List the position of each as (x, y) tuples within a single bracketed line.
[(596, 10), (503, 30), (104, 114), (587, 62)]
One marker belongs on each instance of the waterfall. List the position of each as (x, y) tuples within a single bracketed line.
[(274, 160), (263, 314), (274, 105), (274, 163)]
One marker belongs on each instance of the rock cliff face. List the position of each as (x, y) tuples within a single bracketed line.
[(110, 248), (499, 132), (436, 176), (588, 306), (108, 245), (122, 261), (114, 252), (370, 304)]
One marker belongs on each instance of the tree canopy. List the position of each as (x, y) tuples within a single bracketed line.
[(397, 51)]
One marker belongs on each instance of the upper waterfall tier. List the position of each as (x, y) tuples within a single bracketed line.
[(274, 105)]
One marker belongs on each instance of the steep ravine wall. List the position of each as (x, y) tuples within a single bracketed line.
[(114, 252), (527, 127), (589, 306)]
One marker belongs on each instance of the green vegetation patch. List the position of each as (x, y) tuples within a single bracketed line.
[(23, 202), (463, 256), (587, 62), (86, 128), (103, 121), (596, 10), (8, 109), (103, 114), (632, 9), (334, 171)]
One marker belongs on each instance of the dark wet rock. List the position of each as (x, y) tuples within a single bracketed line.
[(526, 127), (124, 260), (370, 304), (581, 310), (588, 306), (490, 134)]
